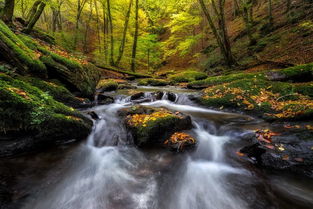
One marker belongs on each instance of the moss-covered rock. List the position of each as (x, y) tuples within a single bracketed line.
[(82, 80), (187, 76), (78, 77), (152, 82), (107, 85), (152, 126), (26, 111), (17, 53), (57, 91)]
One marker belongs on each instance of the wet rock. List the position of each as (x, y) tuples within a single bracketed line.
[(93, 115), (180, 141), (291, 151), (31, 119), (139, 95), (159, 95), (171, 96), (152, 126), (104, 99)]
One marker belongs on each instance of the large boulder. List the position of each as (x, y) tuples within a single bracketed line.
[(80, 79), (17, 53), (152, 126), (31, 118)]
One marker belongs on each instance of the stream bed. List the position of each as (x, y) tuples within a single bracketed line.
[(107, 171)]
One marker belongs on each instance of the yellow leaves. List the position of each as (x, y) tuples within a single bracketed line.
[(19, 92), (143, 119), (265, 135), (309, 127), (180, 137)]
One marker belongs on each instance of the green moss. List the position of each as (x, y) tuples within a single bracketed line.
[(152, 82), (24, 107), (27, 56), (58, 92), (107, 85), (225, 79), (145, 133), (298, 71), (187, 76), (31, 43), (78, 77)]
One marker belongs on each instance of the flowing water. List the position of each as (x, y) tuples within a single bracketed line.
[(109, 172)]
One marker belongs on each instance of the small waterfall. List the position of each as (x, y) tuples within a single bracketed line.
[(113, 174)]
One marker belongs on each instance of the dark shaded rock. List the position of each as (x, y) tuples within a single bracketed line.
[(137, 96), (104, 99), (93, 115), (159, 95), (291, 151), (171, 96)]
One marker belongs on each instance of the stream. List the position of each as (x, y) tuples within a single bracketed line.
[(108, 172)]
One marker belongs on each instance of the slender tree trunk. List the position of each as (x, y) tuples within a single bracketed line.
[(246, 16), (87, 28), (270, 13), (236, 9), (35, 18), (288, 4), (105, 32), (122, 46), (230, 59), (7, 11), (134, 51), (32, 11), (98, 25), (221, 34), (111, 32), (80, 7)]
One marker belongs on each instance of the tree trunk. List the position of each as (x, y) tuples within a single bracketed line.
[(80, 7), (87, 28), (98, 25), (246, 14), (105, 32), (288, 4), (122, 46), (7, 11), (34, 20), (111, 32), (230, 59), (270, 13), (134, 51), (220, 34), (32, 11), (236, 9)]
